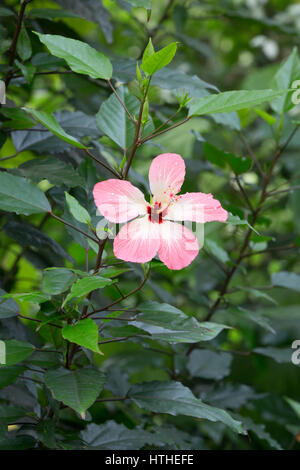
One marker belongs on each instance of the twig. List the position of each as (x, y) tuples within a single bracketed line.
[(223, 268), (269, 250), (116, 340), (100, 400), (37, 320), (251, 154), (136, 141), (23, 377), (274, 193), (73, 227), (13, 46), (244, 193), (102, 163), (154, 134), (121, 102), (267, 179), (122, 298)]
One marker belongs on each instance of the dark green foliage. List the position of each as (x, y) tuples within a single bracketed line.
[(96, 353)]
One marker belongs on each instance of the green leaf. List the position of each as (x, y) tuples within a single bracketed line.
[(18, 118), (6, 12), (227, 395), (140, 3), (22, 442), (55, 171), (80, 57), (85, 333), (217, 250), (34, 297), (10, 413), (149, 51), (259, 430), (28, 70), (165, 322), (295, 405), (47, 120), (8, 308), (46, 433), (57, 280), (28, 235), (84, 286), (77, 211), (235, 220), (232, 101), (113, 120), (9, 375), (209, 364), (114, 436), (286, 279), (218, 157), (280, 355), (283, 79), (255, 317), (258, 294), (271, 120), (20, 196), (175, 399), (24, 48), (156, 61), (51, 13), (16, 351), (77, 389)]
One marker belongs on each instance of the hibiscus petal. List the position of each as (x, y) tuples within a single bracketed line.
[(178, 246), (196, 207), (166, 174), (137, 241), (119, 201)]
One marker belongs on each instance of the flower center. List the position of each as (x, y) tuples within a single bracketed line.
[(155, 213)]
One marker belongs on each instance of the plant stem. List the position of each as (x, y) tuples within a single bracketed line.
[(136, 141), (121, 102), (154, 134), (139, 287), (13, 46), (267, 179), (115, 173), (73, 227)]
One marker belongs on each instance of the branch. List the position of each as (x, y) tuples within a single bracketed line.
[(237, 179), (155, 134), (115, 173), (13, 46), (269, 250), (274, 193), (251, 154), (73, 227), (121, 102), (116, 340), (37, 320), (100, 400), (123, 297), (136, 141), (222, 266), (267, 179)]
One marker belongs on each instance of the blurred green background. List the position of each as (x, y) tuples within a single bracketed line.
[(230, 45)]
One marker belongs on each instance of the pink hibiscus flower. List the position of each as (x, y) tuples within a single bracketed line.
[(153, 230)]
